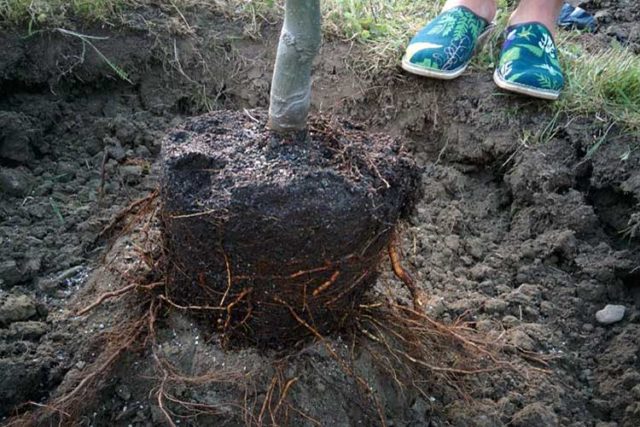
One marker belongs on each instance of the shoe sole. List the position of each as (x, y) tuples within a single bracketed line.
[(427, 72), (523, 89), (447, 75)]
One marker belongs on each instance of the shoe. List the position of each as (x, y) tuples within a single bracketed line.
[(529, 62), (444, 47)]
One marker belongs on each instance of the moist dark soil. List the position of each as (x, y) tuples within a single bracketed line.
[(292, 222), (617, 20), (524, 241)]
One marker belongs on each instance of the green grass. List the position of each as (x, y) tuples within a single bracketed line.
[(606, 83)]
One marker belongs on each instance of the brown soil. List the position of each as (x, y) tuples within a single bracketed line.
[(525, 242)]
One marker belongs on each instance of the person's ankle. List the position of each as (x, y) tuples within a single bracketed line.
[(484, 8), (517, 17)]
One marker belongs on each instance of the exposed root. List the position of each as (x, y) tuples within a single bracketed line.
[(108, 295), (326, 284), (70, 405), (412, 348), (362, 383), (396, 264), (137, 208)]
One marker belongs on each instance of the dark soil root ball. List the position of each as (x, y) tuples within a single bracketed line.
[(272, 236)]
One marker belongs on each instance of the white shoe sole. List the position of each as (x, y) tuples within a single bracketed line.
[(524, 90), (447, 75), (435, 74)]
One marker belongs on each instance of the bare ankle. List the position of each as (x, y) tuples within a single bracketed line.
[(545, 12), (483, 8)]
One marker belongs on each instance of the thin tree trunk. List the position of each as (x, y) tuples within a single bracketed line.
[(291, 86)]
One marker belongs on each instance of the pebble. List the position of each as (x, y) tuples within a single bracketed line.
[(610, 314)]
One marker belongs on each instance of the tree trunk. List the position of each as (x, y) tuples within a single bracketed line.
[(291, 86)]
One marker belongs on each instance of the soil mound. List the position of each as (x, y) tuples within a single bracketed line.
[(278, 235)]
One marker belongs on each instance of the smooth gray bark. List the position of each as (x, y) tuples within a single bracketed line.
[(291, 85)]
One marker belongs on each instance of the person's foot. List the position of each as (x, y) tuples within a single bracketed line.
[(444, 47), (529, 62)]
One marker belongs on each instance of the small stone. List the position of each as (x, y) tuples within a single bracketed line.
[(16, 308), (610, 314), (535, 415), (81, 364)]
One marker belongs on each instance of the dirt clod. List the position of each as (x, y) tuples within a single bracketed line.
[(15, 308)]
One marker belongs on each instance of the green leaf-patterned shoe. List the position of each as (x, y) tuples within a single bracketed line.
[(443, 48), (529, 62)]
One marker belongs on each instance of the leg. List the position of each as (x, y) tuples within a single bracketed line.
[(545, 12), (483, 8)]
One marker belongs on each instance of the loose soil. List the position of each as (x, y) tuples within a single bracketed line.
[(524, 241)]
